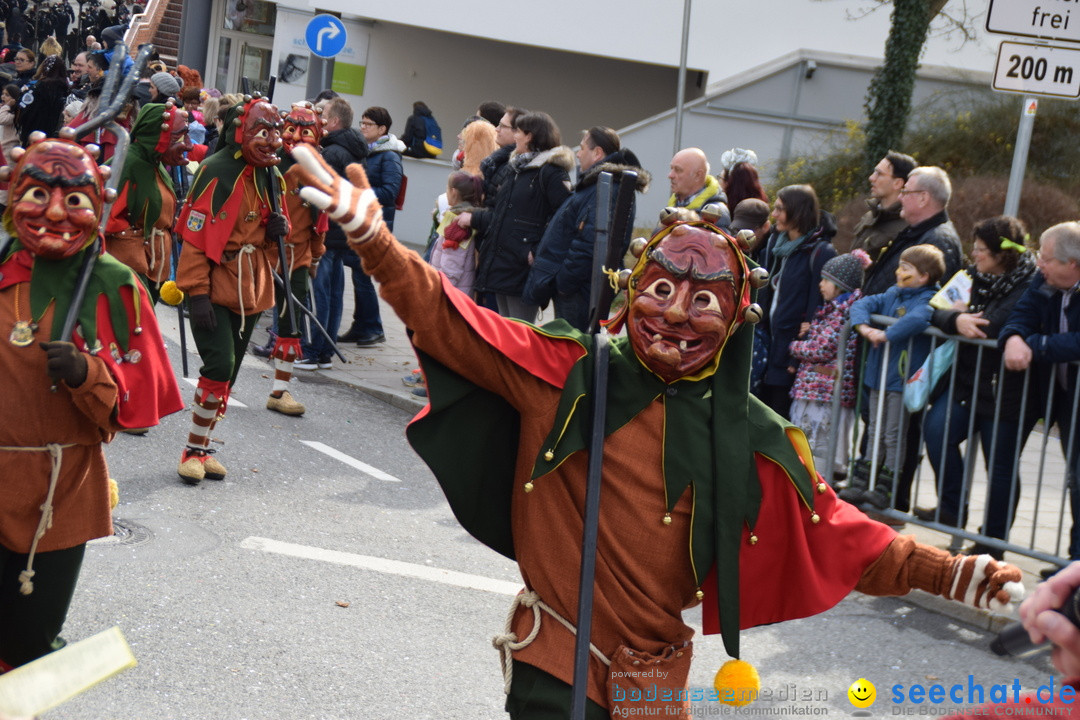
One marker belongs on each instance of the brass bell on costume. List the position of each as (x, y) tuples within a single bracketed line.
[(744, 238), (759, 277), (667, 518), (753, 539), (753, 313), (712, 213), (528, 487), (638, 245), (669, 215), (821, 487)]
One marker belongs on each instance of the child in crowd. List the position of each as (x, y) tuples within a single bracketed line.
[(894, 352), (454, 252), (817, 352), (451, 248)]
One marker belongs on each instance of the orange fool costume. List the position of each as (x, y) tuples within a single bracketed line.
[(707, 495), (55, 491), (223, 268)]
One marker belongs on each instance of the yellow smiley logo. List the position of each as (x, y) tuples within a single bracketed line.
[(862, 693)]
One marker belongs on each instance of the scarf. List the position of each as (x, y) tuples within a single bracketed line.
[(785, 245), (986, 287)]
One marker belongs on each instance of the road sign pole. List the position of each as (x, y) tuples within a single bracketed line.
[(1020, 155)]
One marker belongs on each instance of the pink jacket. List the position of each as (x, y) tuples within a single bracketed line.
[(817, 353)]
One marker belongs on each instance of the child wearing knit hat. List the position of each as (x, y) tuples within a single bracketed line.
[(893, 350), (817, 349)]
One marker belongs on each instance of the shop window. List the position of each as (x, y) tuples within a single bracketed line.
[(251, 16)]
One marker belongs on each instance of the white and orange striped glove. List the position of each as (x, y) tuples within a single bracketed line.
[(351, 204), (983, 582)]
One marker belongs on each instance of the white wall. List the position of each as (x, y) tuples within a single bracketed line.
[(726, 36), (453, 75), (772, 115)]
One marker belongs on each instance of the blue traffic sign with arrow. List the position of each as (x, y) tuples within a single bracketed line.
[(325, 35)]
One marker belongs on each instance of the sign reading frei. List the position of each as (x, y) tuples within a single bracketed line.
[(1038, 70), (1050, 19)]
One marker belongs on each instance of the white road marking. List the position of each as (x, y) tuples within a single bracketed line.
[(351, 461), (233, 402), (391, 567)]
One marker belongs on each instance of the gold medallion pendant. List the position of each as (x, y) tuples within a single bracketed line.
[(22, 334)]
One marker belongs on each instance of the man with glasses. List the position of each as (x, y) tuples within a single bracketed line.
[(882, 222), (923, 200), (1043, 333)]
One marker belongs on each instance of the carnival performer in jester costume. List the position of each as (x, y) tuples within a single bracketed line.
[(303, 248), (139, 230), (224, 267), (64, 396), (708, 496)]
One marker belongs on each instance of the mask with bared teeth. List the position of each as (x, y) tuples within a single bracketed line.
[(687, 294)]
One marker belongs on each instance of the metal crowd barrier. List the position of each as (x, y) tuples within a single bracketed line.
[(1039, 502)]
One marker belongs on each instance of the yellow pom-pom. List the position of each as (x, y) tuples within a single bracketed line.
[(170, 294), (114, 494), (737, 683)]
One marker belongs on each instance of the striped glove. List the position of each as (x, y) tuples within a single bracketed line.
[(983, 582), (352, 204)]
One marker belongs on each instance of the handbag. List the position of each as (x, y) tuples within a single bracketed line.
[(918, 387), (399, 201)]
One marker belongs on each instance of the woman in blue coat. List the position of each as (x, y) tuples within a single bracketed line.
[(800, 245)]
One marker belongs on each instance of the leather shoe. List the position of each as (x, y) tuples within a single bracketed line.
[(351, 336), (930, 515), (369, 340)]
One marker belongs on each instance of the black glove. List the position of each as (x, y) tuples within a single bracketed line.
[(65, 362), (202, 312), (277, 226)]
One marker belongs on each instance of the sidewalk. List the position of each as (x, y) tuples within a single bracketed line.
[(378, 371)]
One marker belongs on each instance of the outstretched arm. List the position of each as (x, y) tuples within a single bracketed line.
[(975, 580), (501, 355)]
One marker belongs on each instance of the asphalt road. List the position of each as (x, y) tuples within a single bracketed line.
[(313, 583)]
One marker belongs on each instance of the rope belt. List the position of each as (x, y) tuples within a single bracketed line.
[(244, 250), (286, 278), (507, 641), (56, 456), (157, 248)]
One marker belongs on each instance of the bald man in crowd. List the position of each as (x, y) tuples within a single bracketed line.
[(692, 186)]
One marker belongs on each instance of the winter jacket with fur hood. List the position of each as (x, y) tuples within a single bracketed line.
[(563, 265), (536, 185), (384, 172)]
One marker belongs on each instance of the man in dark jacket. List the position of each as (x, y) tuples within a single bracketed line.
[(385, 172), (563, 267), (923, 201), (341, 147), (1043, 333), (881, 223)]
